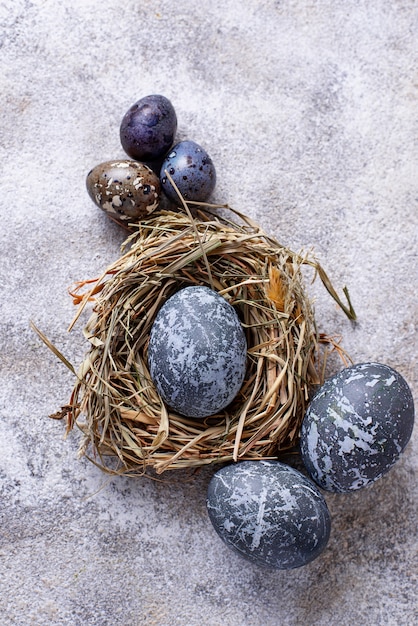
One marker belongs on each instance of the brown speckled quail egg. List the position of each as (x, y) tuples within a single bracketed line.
[(126, 190)]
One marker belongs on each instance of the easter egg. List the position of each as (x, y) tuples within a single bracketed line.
[(148, 128), (269, 513), (126, 190), (191, 170), (356, 427), (197, 352)]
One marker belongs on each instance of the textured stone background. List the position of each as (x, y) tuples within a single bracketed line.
[(309, 110)]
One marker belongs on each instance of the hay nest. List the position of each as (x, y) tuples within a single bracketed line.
[(126, 427)]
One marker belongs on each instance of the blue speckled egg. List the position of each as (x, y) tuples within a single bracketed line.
[(269, 513), (197, 352), (192, 171), (356, 426)]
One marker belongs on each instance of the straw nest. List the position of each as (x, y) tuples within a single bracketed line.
[(126, 428)]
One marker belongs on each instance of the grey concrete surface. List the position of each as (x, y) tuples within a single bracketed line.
[(309, 111)]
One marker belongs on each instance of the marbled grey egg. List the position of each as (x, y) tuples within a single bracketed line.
[(126, 190), (197, 352), (356, 426), (269, 513)]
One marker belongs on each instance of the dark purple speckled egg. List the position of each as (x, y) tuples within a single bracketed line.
[(148, 128), (356, 427), (191, 170), (197, 352), (269, 513)]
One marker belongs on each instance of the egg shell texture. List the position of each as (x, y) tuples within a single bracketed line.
[(192, 171), (197, 352), (148, 128), (269, 513), (356, 426), (124, 189)]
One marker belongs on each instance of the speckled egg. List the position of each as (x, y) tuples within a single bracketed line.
[(148, 128), (191, 170), (269, 513), (126, 190), (197, 352), (356, 427)]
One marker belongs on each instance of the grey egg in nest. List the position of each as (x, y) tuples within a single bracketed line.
[(197, 352)]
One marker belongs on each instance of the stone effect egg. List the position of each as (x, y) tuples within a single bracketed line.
[(191, 170), (197, 352), (269, 513), (126, 190), (148, 128), (356, 427)]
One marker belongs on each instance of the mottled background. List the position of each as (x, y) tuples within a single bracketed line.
[(309, 111)]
